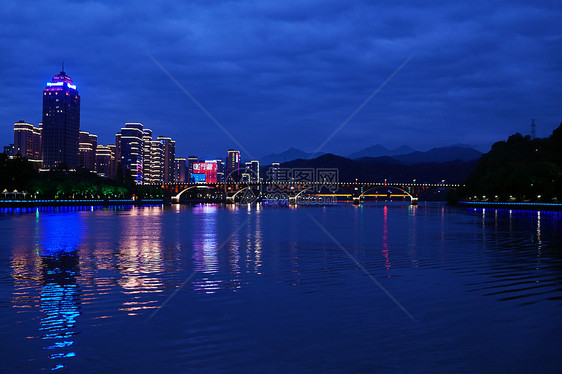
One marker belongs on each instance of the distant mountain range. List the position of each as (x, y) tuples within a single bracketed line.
[(378, 169), (379, 151), (402, 155), (441, 154), (289, 155)]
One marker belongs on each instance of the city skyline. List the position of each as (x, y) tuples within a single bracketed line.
[(280, 76), (58, 141)]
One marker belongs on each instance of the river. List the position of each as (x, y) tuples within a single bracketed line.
[(276, 289)]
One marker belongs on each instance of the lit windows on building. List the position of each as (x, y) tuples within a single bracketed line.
[(169, 159), (105, 160), (27, 140), (233, 171), (181, 170), (61, 123), (129, 144), (87, 148), (208, 169)]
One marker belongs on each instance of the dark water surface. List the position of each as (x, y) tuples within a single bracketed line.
[(271, 289)]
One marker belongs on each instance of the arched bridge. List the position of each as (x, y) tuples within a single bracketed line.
[(232, 192)]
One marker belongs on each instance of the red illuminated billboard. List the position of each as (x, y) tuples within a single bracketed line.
[(207, 168)]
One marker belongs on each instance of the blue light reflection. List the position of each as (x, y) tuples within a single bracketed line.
[(60, 239)]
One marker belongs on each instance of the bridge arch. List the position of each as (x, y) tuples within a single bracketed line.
[(300, 192), (177, 197), (377, 187), (232, 198), (413, 199)]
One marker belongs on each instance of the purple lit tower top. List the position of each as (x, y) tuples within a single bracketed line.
[(61, 123)]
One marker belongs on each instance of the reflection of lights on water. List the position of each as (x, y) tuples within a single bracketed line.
[(412, 235), (60, 233), (205, 247), (135, 306), (68, 208), (539, 247), (539, 229), (140, 258), (255, 239), (243, 251), (60, 236), (412, 210), (442, 227), (59, 303), (294, 258), (385, 238)]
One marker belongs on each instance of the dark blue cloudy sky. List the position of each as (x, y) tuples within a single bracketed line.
[(287, 73)]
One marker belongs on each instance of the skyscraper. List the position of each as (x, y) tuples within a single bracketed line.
[(181, 170), (87, 148), (27, 140), (155, 161), (220, 170), (190, 161), (104, 161), (169, 160), (232, 166), (129, 144), (114, 164), (253, 170), (61, 122)]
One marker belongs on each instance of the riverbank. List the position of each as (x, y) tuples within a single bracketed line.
[(70, 202), (505, 205)]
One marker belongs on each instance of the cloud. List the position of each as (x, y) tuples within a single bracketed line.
[(282, 74)]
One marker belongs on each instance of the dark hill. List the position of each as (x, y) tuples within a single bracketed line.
[(520, 169), (381, 168)]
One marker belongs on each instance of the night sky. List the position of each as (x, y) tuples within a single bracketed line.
[(280, 74)]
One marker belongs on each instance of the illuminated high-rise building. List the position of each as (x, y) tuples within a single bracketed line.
[(104, 161), (146, 141), (169, 160), (232, 166), (190, 161), (253, 170), (27, 140), (113, 149), (181, 170), (155, 161), (61, 123), (273, 172), (87, 148), (129, 144), (206, 170), (220, 170), (117, 151)]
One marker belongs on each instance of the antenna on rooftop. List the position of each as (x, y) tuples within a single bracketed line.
[(62, 67), (533, 129)]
